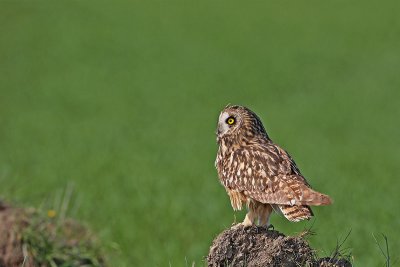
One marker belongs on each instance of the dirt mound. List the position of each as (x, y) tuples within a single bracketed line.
[(10, 238), (257, 246), (29, 238)]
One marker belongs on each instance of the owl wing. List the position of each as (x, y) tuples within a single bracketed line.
[(267, 173)]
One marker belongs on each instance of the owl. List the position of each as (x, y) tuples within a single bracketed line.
[(257, 173)]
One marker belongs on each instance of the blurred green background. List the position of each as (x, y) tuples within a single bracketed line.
[(121, 100)]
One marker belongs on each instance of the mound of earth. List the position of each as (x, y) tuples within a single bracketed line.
[(257, 246), (30, 239), (11, 253)]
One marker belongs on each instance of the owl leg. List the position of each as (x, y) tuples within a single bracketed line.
[(264, 214), (251, 215), (249, 219)]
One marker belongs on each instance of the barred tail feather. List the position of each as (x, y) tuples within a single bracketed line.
[(296, 213)]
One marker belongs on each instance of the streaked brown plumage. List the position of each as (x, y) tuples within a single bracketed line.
[(258, 173)]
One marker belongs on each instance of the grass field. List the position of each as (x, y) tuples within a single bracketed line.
[(121, 99)]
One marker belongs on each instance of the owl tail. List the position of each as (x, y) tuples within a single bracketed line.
[(295, 213)]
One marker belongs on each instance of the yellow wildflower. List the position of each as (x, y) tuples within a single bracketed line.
[(51, 213)]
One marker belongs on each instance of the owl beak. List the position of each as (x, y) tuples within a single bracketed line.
[(219, 130)]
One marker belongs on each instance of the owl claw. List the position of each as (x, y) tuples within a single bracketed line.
[(242, 224), (236, 225)]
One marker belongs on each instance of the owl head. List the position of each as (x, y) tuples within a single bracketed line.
[(240, 121)]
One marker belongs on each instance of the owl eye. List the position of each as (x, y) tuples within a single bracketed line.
[(230, 120)]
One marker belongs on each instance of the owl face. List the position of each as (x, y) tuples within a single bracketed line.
[(229, 122), (239, 120)]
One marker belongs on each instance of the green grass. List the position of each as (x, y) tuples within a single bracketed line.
[(121, 99), (54, 242)]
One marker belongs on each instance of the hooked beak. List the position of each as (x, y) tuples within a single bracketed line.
[(218, 132)]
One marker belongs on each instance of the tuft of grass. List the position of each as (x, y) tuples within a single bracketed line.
[(339, 256), (307, 231), (384, 251), (339, 252), (49, 238), (65, 244)]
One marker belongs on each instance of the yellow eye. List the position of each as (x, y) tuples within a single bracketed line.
[(230, 120)]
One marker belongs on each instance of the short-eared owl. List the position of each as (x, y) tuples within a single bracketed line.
[(258, 173)]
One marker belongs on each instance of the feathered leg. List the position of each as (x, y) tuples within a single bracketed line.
[(249, 219), (265, 211), (252, 213)]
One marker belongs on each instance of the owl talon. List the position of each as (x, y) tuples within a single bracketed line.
[(236, 225), (270, 227), (246, 225)]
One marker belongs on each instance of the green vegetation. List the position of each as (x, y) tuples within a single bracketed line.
[(52, 243), (39, 237), (121, 99)]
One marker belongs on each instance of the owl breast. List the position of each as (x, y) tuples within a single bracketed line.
[(234, 168), (225, 164)]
